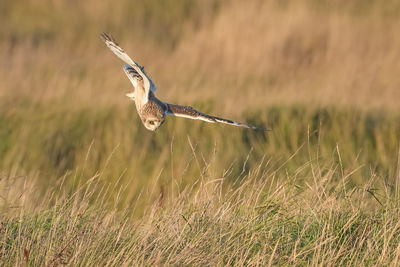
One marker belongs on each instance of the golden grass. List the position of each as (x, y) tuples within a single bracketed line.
[(284, 54), (256, 220), (82, 181)]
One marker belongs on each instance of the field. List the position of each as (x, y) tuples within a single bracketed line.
[(82, 182)]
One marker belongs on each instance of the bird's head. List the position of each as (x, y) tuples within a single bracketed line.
[(152, 115)]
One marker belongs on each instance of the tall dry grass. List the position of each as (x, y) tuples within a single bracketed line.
[(258, 220), (329, 53), (82, 181)]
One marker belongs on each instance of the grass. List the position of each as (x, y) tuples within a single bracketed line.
[(82, 182), (369, 139), (257, 220)]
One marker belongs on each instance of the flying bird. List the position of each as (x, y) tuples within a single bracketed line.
[(153, 111)]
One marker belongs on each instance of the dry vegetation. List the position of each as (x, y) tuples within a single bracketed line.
[(83, 183), (256, 220)]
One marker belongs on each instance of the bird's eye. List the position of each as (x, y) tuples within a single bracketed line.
[(151, 122)]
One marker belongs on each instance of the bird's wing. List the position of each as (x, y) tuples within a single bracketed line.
[(136, 80), (119, 52), (191, 113)]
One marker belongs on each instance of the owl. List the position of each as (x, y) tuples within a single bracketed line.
[(151, 110)]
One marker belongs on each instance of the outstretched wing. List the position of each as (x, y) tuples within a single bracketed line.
[(191, 113), (119, 52), (135, 79)]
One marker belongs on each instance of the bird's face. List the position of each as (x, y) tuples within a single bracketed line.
[(153, 123), (152, 115)]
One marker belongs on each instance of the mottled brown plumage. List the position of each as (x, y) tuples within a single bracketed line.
[(151, 110)]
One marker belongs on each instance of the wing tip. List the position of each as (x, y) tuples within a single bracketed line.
[(239, 124), (107, 38), (104, 37)]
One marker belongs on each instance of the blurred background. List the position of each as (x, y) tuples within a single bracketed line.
[(324, 75)]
